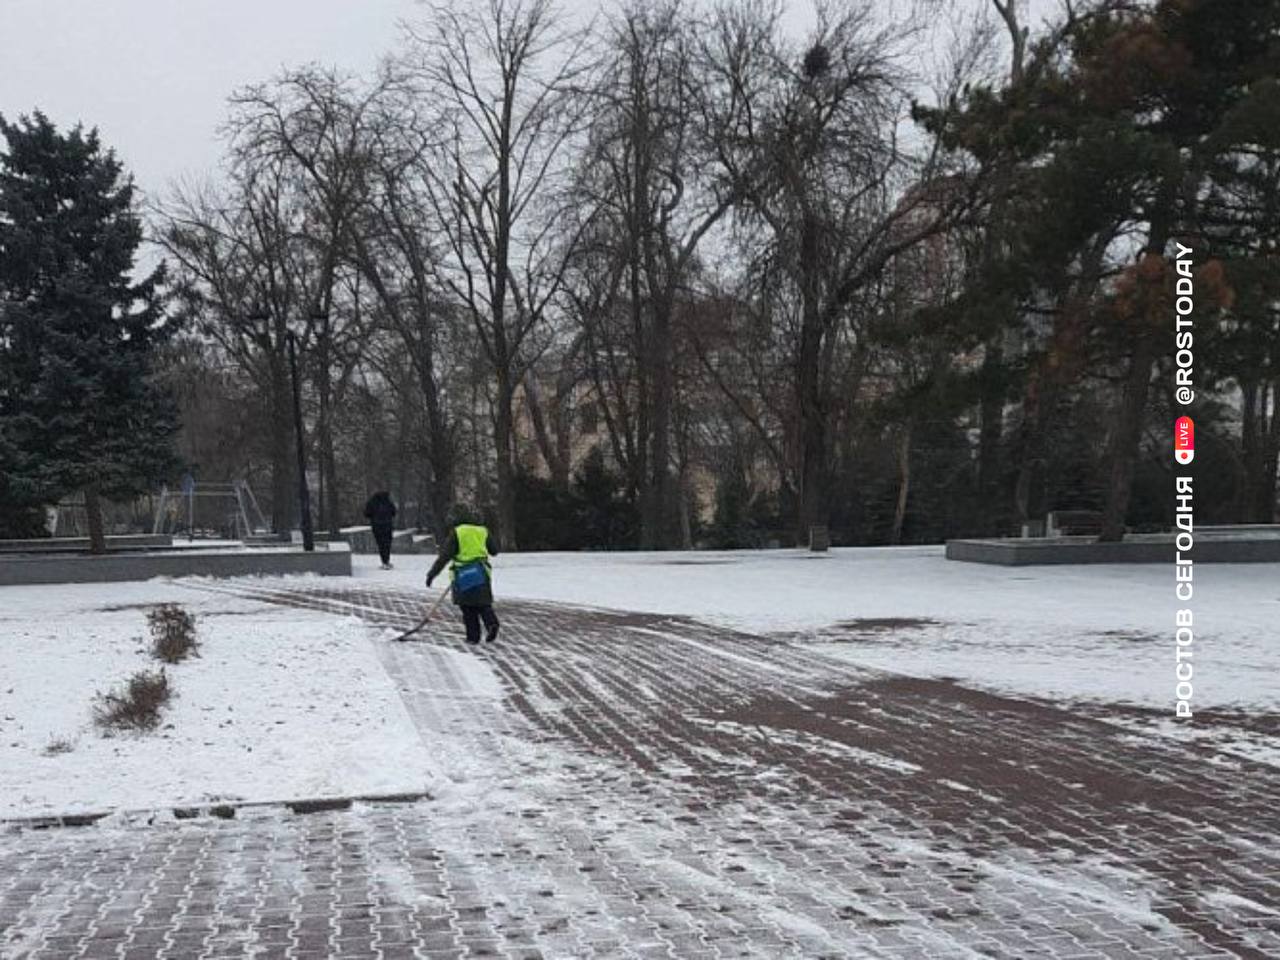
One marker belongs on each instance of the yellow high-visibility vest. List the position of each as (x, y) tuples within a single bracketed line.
[(472, 544)]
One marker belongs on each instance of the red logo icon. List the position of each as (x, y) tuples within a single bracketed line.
[(1184, 440)]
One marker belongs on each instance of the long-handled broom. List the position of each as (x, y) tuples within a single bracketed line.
[(423, 622)]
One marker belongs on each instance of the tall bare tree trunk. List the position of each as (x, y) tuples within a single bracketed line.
[(991, 432), (332, 493), (1039, 407), (1126, 437), (548, 445), (93, 516), (686, 519), (1250, 454), (815, 506), (656, 522), (1266, 511), (904, 485), (328, 461), (282, 452), (814, 480), (1046, 384), (991, 408), (503, 436), (441, 456)]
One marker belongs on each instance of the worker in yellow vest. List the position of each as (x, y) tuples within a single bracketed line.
[(466, 551)]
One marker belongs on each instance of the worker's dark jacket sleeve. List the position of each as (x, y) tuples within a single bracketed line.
[(448, 550)]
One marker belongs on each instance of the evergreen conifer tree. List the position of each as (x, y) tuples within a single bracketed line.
[(80, 409)]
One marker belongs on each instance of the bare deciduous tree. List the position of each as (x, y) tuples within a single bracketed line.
[(240, 276), (650, 183), (322, 126), (501, 77), (395, 244), (831, 191)]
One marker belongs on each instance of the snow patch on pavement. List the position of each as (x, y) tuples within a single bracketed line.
[(1091, 881), (812, 744), (1224, 899)]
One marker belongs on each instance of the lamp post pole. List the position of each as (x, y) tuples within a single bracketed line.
[(304, 494)]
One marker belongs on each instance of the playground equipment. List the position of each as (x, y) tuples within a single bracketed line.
[(228, 510)]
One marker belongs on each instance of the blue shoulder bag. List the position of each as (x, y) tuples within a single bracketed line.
[(469, 577)]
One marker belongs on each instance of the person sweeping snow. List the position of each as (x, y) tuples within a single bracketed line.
[(466, 551)]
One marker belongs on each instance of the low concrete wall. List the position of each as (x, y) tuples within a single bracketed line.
[(128, 541), (1221, 547), (361, 540), (333, 562)]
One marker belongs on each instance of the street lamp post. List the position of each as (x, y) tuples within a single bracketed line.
[(304, 493)]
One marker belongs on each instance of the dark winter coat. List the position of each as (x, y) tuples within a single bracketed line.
[(380, 511), (481, 596)]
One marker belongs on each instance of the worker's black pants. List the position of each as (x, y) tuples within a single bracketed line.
[(383, 537), (472, 616)]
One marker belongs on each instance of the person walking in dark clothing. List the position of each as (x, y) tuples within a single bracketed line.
[(466, 551), (382, 515)]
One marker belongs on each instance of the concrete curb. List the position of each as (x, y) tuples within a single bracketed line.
[(334, 561), (1135, 549), (115, 542), (217, 810)]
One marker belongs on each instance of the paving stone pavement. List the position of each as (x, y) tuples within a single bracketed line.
[(625, 785)]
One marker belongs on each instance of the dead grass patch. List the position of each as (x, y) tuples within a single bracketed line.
[(173, 633), (58, 746), (136, 705)]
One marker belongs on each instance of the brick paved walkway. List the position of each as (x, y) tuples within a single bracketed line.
[(619, 785)]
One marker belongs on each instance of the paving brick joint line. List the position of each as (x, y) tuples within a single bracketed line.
[(649, 786)]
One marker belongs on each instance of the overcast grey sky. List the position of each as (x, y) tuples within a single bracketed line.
[(154, 75)]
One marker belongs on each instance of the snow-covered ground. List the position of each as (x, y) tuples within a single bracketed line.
[(1102, 633), (280, 704), (285, 703)]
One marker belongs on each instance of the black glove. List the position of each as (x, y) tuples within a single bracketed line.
[(429, 579)]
